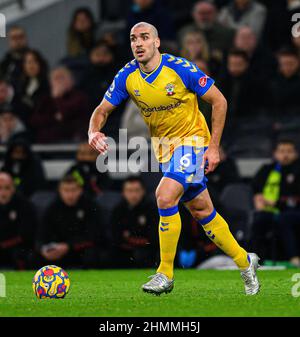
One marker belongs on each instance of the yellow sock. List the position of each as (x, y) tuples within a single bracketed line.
[(169, 232), (216, 228)]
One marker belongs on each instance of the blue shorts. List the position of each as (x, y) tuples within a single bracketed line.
[(185, 167)]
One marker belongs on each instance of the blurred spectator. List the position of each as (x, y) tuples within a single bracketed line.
[(9, 98), (293, 6), (11, 127), (151, 11), (241, 87), (24, 166), (112, 40), (81, 33), (194, 46), (11, 65), (6, 93), (86, 173), (244, 13), (133, 121), (262, 62), (99, 74), (134, 224), (277, 203), (33, 84), (71, 228), (64, 115), (285, 86), (17, 227), (218, 37)]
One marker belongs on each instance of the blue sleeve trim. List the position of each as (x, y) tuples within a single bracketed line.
[(117, 92), (177, 64), (210, 83), (192, 77), (168, 211)]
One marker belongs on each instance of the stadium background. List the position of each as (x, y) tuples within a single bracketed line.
[(250, 53)]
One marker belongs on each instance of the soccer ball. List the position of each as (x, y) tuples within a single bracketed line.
[(51, 282)]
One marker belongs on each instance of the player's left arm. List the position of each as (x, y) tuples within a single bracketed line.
[(201, 84), (219, 108)]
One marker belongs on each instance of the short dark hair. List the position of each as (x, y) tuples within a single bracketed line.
[(69, 179), (239, 53), (17, 27), (84, 10), (134, 179), (281, 141), (101, 43), (288, 51), (39, 58)]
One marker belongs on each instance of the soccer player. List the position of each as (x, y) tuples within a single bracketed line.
[(165, 88)]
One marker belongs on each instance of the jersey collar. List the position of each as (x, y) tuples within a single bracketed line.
[(150, 77)]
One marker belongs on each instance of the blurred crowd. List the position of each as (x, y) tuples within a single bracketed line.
[(86, 223), (245, 45), (242, 44)]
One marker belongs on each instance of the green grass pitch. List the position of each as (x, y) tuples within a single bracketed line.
[(117, 293)]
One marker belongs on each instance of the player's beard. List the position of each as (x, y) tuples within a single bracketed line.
[(151, 55)]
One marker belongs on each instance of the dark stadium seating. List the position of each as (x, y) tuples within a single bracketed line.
[(107, 202), (41, 200), (251, 146), (237, 205)]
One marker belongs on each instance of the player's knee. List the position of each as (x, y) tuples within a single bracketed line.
[(164, 201), (199, 214)]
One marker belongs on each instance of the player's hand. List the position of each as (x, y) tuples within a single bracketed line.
[(212, 157), (97, 142)]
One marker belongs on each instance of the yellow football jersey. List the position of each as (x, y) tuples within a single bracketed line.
[(167, 99)]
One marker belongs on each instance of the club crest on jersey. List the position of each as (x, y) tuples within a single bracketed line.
[(137, 93), (170, 89), (202, 81)]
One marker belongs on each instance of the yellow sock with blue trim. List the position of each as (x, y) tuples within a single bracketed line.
[(169, 232), (217, 229)]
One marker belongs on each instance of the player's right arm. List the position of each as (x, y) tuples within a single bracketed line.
[(97, 122), (114, 96)]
